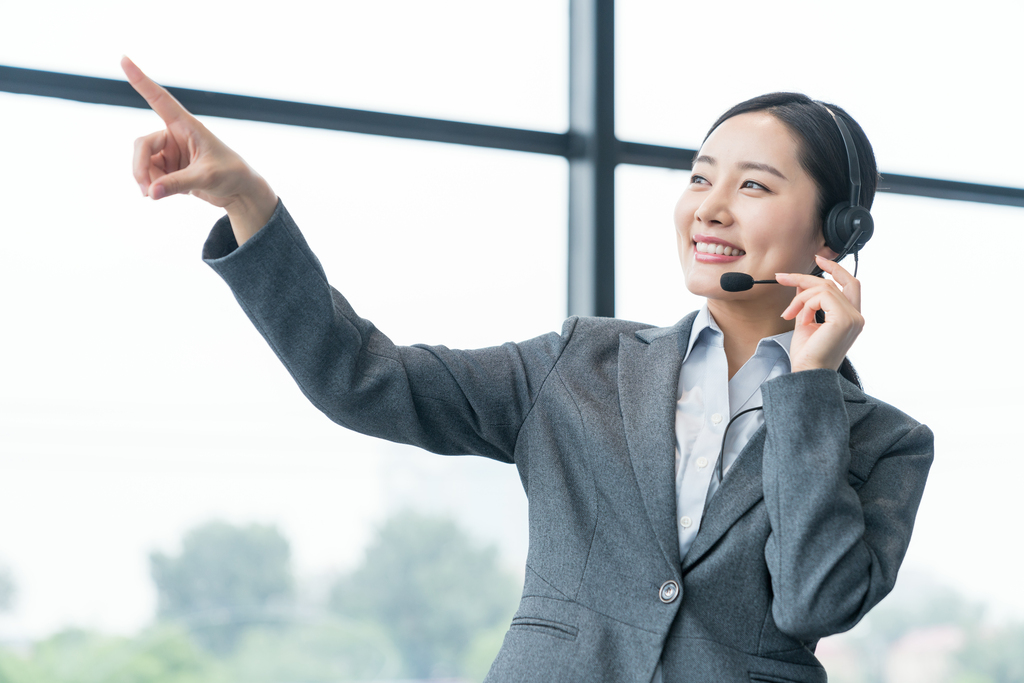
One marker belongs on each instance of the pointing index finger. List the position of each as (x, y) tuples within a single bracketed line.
[(161, 101)]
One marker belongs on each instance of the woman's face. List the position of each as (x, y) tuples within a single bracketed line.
[(749, 207)]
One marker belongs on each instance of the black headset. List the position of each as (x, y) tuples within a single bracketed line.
[(849, 225)]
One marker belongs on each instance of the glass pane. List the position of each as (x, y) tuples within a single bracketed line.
[(931, 106), (138, 401), (496, 63), (926, 301), (649, 283)]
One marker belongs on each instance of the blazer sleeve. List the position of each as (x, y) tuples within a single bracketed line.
[(837, 539), (446, 401)]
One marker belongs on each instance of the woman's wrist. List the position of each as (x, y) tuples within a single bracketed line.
[(251, 210), (801, 367)]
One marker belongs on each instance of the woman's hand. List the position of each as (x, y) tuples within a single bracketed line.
[(822, 345), (188, 158)]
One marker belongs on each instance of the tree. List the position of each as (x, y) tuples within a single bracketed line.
[(320, 650), (433, 590), (225, 578), (162, 655)]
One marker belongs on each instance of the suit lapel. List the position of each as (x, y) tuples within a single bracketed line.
[(741, 489), (648, 381)]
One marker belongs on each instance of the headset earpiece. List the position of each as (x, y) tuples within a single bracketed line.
[(849, 225), (848, 228)]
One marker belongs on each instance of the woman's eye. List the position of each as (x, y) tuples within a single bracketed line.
[(698, 180), (752, 185)]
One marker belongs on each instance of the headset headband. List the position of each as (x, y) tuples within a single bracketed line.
[(851, 157)]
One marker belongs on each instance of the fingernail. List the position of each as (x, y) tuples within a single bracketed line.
[(159, 192), (142, 187)]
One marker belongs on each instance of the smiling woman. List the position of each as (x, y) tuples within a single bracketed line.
[(663, 544), (771, 174), (741, 201)]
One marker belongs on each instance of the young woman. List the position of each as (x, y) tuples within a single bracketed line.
[(707, 500)]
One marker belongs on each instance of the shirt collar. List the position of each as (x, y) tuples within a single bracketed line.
[(705, 321)]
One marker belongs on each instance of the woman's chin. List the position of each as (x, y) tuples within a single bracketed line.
[(706, 285)]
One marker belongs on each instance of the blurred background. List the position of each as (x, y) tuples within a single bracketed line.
[(171, 507)]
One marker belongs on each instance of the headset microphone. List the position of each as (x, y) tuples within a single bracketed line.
[(741, 282)]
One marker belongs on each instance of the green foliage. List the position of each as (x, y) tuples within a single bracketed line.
[(6, 589), (434, 591), (320, 652), (427, 601), (482, 650), (225, 578), (162, 655), (324, 651)]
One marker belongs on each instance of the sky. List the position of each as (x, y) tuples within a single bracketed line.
[(137, 401)]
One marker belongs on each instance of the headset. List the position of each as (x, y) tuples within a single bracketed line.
[(849, 225)]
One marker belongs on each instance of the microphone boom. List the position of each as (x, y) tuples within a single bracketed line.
[(741, 282)]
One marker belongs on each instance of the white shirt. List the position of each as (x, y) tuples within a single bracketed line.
[(705, 403)]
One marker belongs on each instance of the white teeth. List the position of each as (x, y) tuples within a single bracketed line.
[(708, 248)]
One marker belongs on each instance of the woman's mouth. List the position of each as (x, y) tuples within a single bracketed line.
[(718, 249)]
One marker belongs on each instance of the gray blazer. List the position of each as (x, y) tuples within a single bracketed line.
[(805, 535)]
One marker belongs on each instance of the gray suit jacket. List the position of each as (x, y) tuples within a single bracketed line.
[(804, 536)]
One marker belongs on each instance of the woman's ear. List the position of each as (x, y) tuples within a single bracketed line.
[(827, 253)]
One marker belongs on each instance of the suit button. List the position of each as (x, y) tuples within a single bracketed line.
[(669, 592)]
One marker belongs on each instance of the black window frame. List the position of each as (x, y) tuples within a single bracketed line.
[(590, 145)]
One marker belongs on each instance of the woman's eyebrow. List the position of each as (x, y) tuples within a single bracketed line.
[(758, 166), (744, 165)]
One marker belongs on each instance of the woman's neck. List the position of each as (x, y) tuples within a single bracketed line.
[(744, 324)]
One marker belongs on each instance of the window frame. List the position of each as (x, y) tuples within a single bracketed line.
[(590, 145)]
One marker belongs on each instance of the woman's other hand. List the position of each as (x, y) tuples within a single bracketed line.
[(186, 158), (823, 345)]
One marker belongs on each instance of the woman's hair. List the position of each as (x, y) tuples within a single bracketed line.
[(822, 152)]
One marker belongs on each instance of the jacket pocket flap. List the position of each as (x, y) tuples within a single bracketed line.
[(552, 628)]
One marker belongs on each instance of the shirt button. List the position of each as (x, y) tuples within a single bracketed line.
[(716, 418), (685, 522), (702, 463), (669, 592)]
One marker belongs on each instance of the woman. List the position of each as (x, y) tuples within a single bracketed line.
[(667, 541)]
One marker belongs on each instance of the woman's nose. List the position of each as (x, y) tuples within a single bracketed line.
[(714, 209)]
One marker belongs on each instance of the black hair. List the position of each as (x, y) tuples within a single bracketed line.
[(822, 152)]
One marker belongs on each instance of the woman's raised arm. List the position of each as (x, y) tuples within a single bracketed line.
[(186, 158)]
